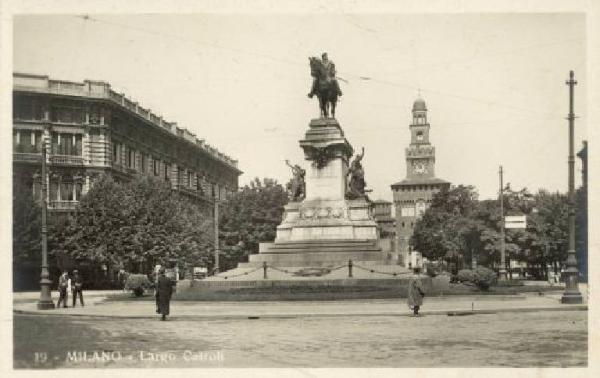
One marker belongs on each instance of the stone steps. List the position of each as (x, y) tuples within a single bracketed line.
[(319, 246), (332, 249), (315, 258), (332, 242)]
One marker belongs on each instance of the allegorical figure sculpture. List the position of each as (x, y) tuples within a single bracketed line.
[(357, 184), (325, 84), (296, 186)]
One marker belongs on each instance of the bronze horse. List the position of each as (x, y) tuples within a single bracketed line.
[(326, 89)]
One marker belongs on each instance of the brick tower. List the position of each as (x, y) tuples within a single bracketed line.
[(412, 196)]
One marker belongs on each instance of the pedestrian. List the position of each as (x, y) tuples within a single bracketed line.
[(155, 276), (63, 286), (415, 292), (76, 287), (164, 290)]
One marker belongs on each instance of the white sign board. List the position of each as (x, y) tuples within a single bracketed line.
[(515, 221)]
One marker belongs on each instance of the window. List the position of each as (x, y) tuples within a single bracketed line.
[(28, 108), (407, 211), (130, 158), (78, 190), (144, 163), (199, 184), (116, 158), (421, 207), (96, 115), (166, 171), (180, 177), (189, 179), (66, 144), (53, 190), (27, 141), (67, 114), (419, 136), (155, 167), (66, 191)]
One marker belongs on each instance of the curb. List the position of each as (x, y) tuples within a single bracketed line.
[(305, 315)]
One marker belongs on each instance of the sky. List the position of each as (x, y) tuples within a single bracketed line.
[(494, 84)]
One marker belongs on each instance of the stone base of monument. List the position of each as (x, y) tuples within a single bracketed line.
[(321, 233)]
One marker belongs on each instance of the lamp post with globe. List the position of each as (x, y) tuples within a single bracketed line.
[(45, 302)]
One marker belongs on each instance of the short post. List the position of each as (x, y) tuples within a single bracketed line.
[(264, 270), (350, 268)]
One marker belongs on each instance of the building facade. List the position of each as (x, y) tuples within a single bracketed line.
[(412, 196), (386, 226), (382, 213), (90, 130)]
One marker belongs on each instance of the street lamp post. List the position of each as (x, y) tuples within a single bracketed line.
[(45, 302), (216, 269), (571, 294), (502, 271)]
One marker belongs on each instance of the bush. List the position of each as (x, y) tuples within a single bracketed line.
[(484, 278), (137, 283), (465, 275)]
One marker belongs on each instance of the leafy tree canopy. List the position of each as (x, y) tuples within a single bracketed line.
[(249, 217), (138, 223)]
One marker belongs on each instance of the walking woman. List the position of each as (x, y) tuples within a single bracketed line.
[(164, 290), (415, 292)]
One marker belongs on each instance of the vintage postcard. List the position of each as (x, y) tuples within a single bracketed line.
[(322, 185)]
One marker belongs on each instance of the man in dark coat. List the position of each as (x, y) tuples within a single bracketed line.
[(164, 290), (77, 287), (415, 292)]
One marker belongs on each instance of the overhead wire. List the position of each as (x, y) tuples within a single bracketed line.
[(360, 77)]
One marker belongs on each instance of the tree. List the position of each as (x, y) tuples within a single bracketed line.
[(249, 217), (549, 224), (136, 225), (446, 230), (459, 227), (26, 228), (26, 238)]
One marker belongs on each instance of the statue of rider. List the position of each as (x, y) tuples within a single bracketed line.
[(329, 71)]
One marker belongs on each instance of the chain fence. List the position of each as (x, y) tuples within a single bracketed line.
[(239, 274), (380, 272), (350, 265)]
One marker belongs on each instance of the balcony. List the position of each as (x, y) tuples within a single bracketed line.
[(197, 194), (66, 160), (123, 169), (62, 205), (21, 157)]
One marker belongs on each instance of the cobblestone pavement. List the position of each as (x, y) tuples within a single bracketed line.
[(515, 339)]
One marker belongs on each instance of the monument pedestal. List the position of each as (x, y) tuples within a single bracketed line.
[(325, 229)]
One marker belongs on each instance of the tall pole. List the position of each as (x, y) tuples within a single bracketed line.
[(45, 302), (571, 294), (216, 269), (502, 271)]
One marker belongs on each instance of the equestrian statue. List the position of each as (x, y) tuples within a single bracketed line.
[(325, 84)]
